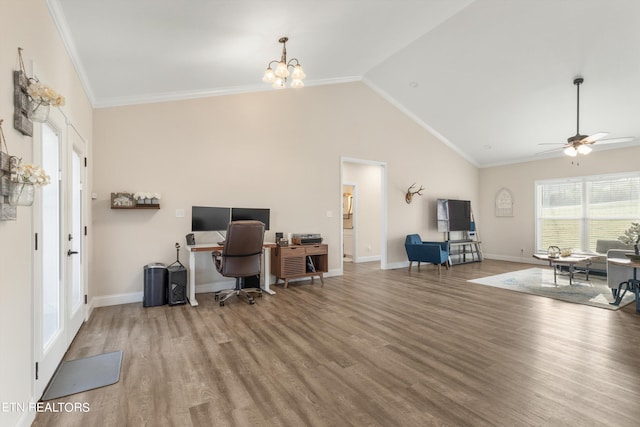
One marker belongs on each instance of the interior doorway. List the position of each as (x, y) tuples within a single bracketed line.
[(364, 213), (348, 222)]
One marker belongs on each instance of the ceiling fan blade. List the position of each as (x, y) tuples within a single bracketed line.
[(593, 138), (551, 143), (616, 140), (549, 151)]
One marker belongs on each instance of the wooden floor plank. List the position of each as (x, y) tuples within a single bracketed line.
[(371, 347)]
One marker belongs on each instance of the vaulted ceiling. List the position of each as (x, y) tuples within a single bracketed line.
[(493, 79)]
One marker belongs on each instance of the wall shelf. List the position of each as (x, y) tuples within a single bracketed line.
[(126, 201), (152, 206)]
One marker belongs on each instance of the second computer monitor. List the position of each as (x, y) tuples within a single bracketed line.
[(254, 214)]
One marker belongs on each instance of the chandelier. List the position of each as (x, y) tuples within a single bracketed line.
[(278, 77)]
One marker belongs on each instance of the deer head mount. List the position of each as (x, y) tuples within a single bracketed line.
[(409, 196)]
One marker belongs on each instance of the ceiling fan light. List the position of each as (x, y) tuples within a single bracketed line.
[(297, 83), (584, 149), (571, 151)]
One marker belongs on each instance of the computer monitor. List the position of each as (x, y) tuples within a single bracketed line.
[(206, 218), (254, 214)]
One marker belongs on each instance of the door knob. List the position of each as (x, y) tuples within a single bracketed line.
[(70, 252)]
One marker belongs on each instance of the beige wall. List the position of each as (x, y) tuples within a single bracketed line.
[(277, 149), (503, 238), (26, 24)]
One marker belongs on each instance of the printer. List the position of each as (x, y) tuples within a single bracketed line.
[(306, 239)]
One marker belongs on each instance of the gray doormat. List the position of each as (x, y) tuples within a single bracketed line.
[(75, 376)]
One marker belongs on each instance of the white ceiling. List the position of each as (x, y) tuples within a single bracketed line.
[(491, 78)]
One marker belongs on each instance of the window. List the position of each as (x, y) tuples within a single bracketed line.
[(576, 212)]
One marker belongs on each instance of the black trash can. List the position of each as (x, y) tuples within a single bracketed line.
[(155, 285)]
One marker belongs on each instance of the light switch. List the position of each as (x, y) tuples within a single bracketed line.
[(179, 213), (329, 214)]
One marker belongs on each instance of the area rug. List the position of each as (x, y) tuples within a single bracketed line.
[(75, 376), (539, 281)]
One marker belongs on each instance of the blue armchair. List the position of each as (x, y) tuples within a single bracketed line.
[(432, 252)]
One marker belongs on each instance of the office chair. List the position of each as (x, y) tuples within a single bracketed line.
[(240, 258)]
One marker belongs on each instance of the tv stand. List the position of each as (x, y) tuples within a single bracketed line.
[(464, 251)]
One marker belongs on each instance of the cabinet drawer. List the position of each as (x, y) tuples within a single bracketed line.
[(315, 250), (291, 251)]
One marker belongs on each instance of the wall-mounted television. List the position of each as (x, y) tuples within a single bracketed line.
[(254, 214), (206, 218), (454, 215)]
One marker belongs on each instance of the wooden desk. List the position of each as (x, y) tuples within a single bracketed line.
[(569, 261), (210, 247), (632, 285)]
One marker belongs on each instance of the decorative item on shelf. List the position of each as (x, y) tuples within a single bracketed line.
[(632, 237), (40, 96), (146, 198), (278, 77), (137, 200), (122, 201), (409, 196), (24, 182)]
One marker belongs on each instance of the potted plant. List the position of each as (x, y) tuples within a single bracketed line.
[(632, 237), (42, 97), (23, 185)]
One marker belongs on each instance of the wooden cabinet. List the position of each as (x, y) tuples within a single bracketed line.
[(291, 262)]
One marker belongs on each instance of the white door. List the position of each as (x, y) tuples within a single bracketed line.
[(59, 252), (75, 236)]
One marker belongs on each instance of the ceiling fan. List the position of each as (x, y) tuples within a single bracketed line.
[(580, 144)]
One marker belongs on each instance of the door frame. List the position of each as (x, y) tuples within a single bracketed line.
[(43, 374), (383, 203)]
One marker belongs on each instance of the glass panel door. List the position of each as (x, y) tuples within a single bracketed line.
[(50, 335), (75, 252), (50, 238)]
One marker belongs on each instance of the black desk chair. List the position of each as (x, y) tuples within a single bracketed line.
[(240, 258)]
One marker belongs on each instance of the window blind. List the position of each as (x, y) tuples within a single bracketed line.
[(575, 213)]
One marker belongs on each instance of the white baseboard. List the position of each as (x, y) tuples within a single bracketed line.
[(117, 299), (396, 265), (526, 260), (133, 297), (368, 258)]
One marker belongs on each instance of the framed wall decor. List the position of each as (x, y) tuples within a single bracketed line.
[(504, 203), (122, 201)]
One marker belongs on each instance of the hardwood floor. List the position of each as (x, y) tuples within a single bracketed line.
[(375, 348)]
